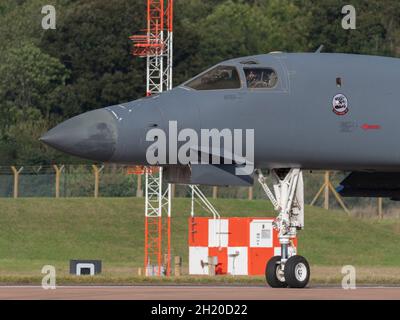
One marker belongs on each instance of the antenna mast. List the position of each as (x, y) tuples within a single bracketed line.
[(155, 44)]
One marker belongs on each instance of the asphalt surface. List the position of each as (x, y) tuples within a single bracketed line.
[(196, 293)]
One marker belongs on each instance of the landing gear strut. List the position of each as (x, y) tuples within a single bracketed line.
[(288, 269)]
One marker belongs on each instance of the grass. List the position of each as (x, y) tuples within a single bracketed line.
[(36, 232)]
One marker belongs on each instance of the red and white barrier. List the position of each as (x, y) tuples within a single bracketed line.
[(242, 246)]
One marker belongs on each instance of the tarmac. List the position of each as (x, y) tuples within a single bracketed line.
[(195, 293)]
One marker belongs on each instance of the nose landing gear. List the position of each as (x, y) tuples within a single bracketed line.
[(288, 269)]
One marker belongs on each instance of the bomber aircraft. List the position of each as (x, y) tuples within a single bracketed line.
[(278, 113)]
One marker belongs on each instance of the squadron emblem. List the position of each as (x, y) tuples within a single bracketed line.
[(340, 104)]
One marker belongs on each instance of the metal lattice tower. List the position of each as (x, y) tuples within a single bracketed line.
[(156, 45), (157, 205)]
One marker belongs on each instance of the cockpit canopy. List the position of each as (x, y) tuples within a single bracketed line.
[(218, 78), (228, 77)]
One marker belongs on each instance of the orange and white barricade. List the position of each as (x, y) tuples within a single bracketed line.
[(242, 246)]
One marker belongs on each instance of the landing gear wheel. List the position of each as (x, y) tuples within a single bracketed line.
[(297, 272), (273, 275)]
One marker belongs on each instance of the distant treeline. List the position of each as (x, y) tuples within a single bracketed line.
[(50, 75)]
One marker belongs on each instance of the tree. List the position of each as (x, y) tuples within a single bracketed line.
[(377, 26), (236, 29), (20, 21), (28, 81), (20, 145), (92, 40)]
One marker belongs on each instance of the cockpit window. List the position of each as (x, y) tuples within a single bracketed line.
[(259, 78), (221, 77)]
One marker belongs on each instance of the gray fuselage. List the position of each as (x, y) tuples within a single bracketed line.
[(294, 122)]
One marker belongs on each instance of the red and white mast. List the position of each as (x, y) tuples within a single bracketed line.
[(156, 45)]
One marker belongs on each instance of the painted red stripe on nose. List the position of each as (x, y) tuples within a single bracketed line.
[(371, 127)]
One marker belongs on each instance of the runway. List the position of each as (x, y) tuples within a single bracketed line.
[(196, 293)]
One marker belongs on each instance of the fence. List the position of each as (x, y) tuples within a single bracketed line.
[(67, 181), (115, 181)]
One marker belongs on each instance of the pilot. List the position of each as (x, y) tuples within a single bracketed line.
[(273, 79), (251, 79)]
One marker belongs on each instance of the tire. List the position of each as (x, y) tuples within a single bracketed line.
[(271, 274), (297, 272)]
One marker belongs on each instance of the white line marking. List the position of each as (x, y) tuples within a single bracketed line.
[(187, 287)]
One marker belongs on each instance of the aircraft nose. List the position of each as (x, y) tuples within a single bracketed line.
[(92, 135)]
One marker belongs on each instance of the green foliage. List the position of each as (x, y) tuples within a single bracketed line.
[(28, 80), (20, 145), (93, 41), (377, 30), (239, 29), (20, 21)]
